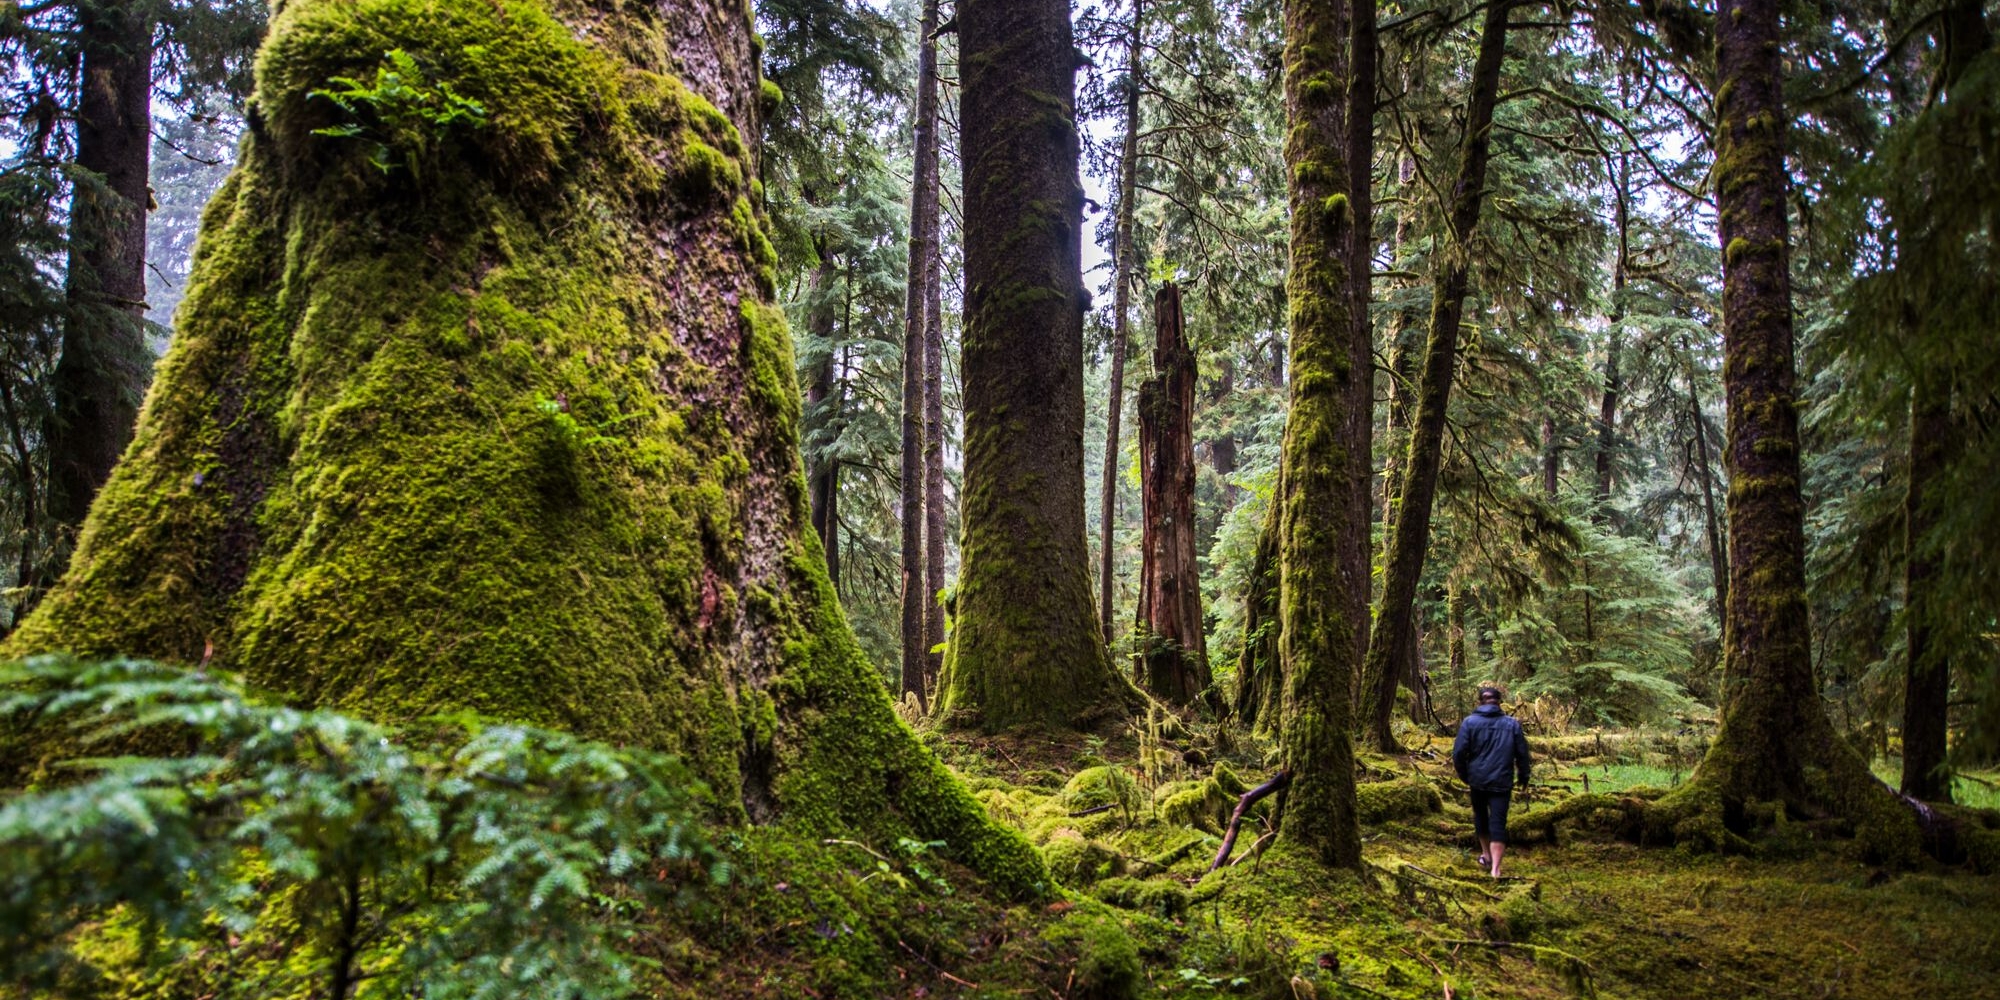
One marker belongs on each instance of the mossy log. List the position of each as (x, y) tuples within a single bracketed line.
[(495, 413)]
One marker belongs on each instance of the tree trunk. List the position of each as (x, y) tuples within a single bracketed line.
[(1927, 674), (916, 590), (824, 404), (1962, 36), (1122, 279), (1718, 556), (1174, 654), (515, 432), (936, 514), (1322, 463), (1455, 659), (1409, 535), (1551, 455), (1362, 78), (1028, 649), (1260, 679), (103, 369), (1775, 743), (1403, 346), (1607, 413)]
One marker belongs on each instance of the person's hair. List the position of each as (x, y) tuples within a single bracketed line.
[(1492, 693)]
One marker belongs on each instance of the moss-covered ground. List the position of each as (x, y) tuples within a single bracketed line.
[(1130, 825)]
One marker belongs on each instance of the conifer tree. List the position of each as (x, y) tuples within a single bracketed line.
[(1027, 648), (1325, 464)]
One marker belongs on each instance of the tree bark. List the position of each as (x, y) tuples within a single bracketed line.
[(1028, 649), (1718, 555), (1323, 463), (1173, 653), (1409, 533), (1775, 743), (1122, 279), (825, 404), (517, 434), (102, 372), (1362, 79), (937, 515), (1607, 413), (916, 592), (1934, 436), (1927, 675)]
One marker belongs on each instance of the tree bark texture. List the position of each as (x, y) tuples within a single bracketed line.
[(1409, 533), (1362, 79), (515, 432), (824, 403), (102, 372), (1927, 674), (1173, 655), (1028, 647), (1322, 461), (916, 592), (937, 515), (1775, 743), (1962, 36), (1122, 278)]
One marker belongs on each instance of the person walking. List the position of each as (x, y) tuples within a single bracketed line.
[(1489, 750)]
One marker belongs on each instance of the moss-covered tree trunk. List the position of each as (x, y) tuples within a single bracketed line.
[(102, 371), (1607, 411), (1775, 743), (1028, 648), (1173, 652), (1410, 526), (916, 332), (511, 426), (1123, 276), (1323, 462)]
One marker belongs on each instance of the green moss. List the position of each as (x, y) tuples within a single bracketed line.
[(1387, 801), (1161, 898), (1107, 961), (475, 442)]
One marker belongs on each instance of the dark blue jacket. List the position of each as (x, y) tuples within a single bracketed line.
[(1490, 747)]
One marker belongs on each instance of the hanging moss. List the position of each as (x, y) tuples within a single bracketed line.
[(512, 429)]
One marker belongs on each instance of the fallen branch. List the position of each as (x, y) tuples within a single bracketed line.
[(1094, 810), (1278, 783)]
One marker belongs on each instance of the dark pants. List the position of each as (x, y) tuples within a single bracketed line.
[(1489, 814)]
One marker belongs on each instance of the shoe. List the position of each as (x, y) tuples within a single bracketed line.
[(1485, 863)]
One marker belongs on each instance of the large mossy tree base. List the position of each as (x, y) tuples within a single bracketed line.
[(495, 413)]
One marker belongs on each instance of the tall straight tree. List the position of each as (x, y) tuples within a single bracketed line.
[(1123, 275), (1962, 36), (102, 372), (1775, 743), (1027, 649), (1321, 522), (917, 595), (936, 516), (1174, 656), (510, 425), (1410, 525)]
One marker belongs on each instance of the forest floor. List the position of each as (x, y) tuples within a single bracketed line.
[(1130, 826)]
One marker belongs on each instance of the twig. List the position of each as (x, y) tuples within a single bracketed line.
[(933, 965), (1278, 782), (1094, 810)]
